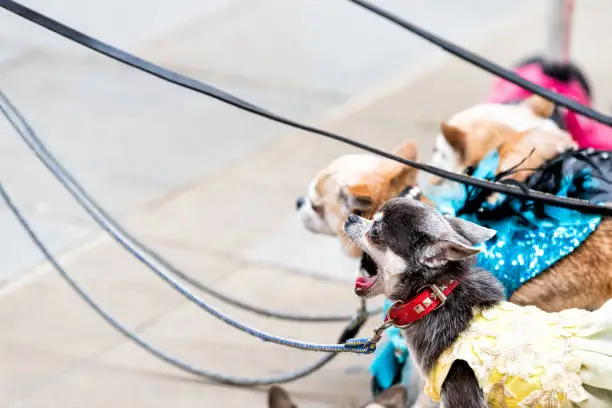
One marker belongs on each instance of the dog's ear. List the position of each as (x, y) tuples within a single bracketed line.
[(474, 233), (540, 106), (360, 197), (407, 150), (394, 172), (451, 245), (279, 398), (439, 253), (455, 137), (394, 397)]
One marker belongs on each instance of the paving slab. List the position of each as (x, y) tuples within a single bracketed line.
[(48, 320)]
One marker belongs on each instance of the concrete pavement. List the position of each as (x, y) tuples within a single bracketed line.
[(223, 210)]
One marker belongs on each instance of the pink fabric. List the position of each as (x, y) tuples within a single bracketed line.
[(586, 132)]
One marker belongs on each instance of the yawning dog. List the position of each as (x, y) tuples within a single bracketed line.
[(473, 348)]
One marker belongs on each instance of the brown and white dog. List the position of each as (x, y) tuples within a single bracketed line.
[(394, 397)]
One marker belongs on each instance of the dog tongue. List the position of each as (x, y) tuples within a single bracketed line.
[(364, 283)]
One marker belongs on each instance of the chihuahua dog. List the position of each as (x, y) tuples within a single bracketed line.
[(473, 348), (394, 397)]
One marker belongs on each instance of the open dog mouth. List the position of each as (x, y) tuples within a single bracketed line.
[(362, 283), (357, 229), (368, 274)]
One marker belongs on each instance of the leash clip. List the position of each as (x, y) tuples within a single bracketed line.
[(380, 329)]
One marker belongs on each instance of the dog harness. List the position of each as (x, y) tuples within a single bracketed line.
[(525, 357)]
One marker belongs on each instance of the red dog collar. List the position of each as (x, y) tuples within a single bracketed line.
[(402, 314)]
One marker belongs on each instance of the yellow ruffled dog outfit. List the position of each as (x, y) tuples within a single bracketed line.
[(525, 357)]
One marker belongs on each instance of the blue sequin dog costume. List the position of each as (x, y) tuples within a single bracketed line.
[(530, 236)]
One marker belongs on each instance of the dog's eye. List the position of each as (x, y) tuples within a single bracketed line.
[(375, 233), (319, 209)]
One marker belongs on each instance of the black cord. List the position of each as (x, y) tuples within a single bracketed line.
[(487, 65), (225, 97)]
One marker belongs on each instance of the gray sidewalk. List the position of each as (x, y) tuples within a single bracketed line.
[(221, 208)]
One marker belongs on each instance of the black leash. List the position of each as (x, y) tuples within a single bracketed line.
[(487, 65), (225, 97)]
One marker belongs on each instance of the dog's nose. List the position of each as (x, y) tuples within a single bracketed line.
[(352, 218), (299, 202)]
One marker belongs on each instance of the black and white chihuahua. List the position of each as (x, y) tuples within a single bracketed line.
[(394, 397), (415, 246), (460, 331)]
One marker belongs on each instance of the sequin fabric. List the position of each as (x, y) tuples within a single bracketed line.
[(524, 357), (514, 259)]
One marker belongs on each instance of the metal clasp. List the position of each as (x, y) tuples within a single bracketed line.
[(438, 293), (379, 330)]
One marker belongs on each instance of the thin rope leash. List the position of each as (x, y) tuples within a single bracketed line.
[(200, 87), (351, 329)]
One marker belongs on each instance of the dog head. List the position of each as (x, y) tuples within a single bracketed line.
[(413, 244), (354, 184), (516, 130), (394, 397)]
